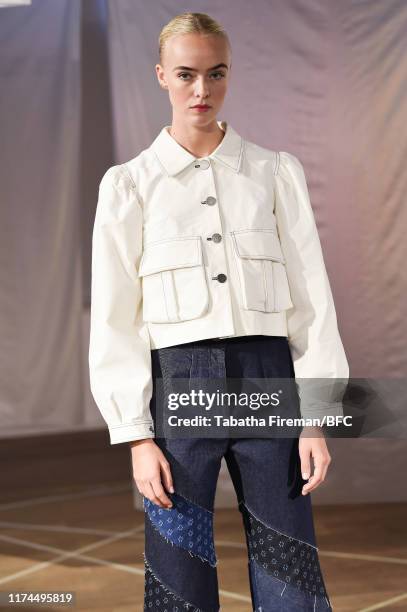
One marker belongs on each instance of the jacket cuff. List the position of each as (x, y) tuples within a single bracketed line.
[(319, 410), (321, 398), (131, 431)]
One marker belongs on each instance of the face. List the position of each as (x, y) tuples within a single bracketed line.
[(195, 70)]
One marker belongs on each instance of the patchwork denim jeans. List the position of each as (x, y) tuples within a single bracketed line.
[(180, 557)]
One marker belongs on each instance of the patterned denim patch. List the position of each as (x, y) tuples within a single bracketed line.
[(292, 561), (186, 525), (272, 594), (158, 597)]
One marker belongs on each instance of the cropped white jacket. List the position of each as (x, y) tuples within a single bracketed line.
[(185, 249)]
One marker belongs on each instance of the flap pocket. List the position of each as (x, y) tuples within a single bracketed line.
[(258, 244), (261, 270), (170, 254), (174, 281)]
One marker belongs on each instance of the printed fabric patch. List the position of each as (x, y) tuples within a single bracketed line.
[(186, 525), (291, 560), (158, 597)]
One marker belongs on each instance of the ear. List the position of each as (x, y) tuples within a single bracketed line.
[(160, 76)]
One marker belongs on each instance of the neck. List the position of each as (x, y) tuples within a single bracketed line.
[(200, 141)]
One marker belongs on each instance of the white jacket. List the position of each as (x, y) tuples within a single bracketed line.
[(185, 249)]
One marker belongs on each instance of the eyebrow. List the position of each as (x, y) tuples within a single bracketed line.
[(195, 70)]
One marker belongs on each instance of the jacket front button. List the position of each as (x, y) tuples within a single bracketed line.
[(202, 164), (216, 237), (220, 277), (210, 201)]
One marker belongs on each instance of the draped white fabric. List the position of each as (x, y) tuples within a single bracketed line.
[(9, 3), (41, 371), (323, 80)]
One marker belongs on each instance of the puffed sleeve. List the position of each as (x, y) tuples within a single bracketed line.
[(320, 363), (119, 345)]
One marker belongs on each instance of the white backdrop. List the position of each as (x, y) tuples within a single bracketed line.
[(324, 80), (41, 371)]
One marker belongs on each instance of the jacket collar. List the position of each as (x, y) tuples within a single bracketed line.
[(174, 157)]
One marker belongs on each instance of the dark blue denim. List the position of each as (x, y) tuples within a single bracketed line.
[(180, 557)]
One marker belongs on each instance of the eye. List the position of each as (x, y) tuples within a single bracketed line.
[(221, 75), (184, 76), (181, 74)]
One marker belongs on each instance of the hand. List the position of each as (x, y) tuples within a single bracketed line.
[(317, 448), (149, 463)]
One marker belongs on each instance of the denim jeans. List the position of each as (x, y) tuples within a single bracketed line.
[(180, 556)]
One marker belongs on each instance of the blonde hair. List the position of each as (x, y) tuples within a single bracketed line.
[(187, 23)]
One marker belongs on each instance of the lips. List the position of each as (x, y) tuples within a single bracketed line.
[(201, 106)]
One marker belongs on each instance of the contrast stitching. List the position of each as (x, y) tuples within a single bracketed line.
[(277, 530), (184, 264), (249, 229), (165, 295), (129, 424), (263, 263), (252, 256), (243, 298), (242, 145), (227, 164), (277, 163), (274, 289), (262, 256), (133, 185), (147, 244), (129, 175), (197, 261)]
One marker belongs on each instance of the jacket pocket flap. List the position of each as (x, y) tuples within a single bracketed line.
[(258, 244), (171, 254)]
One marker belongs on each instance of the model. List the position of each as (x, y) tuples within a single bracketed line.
[(206, 264)]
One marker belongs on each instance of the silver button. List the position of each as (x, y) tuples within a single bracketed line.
[(210, 201), (216, 237), (202, 164)]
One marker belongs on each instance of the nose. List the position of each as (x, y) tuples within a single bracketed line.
[(201, 87)]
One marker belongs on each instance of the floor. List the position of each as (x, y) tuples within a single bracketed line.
[(67, 523)]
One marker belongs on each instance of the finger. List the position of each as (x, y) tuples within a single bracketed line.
[(159, 493), (150, 494), (316, 478), (141, 489), (305, 464), (167, 476)]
